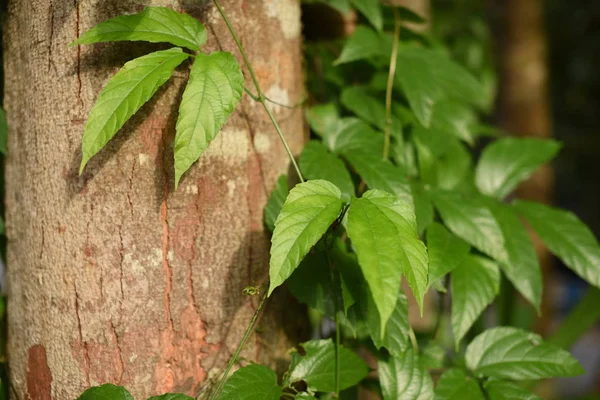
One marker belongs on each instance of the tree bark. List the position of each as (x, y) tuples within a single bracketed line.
[(523, 104), (113, 275)]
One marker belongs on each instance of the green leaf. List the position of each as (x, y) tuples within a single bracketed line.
[(475, 284), (3, 132), (171, 396), (353, 134), (522, 268), (401, 213), (358, 100), (454, 118), (383, 232), (305, 396), (511, 353), (567, 237), (124, 95), (317, 366), (408, 15), (404, 378), (307, 213), (454, 384), (423, 206), (214, 90), (154, 24), (311, 283), (106, 392), (446, 252), (380, 174), (396, 337), (363, 43), (276, 200), (254, 382), (508, 161), (371, 10), (468, 218), (323, 119), (502, 390), (316, 162)]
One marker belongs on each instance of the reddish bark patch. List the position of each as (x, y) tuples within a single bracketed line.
[(151, 132), (39, 377)]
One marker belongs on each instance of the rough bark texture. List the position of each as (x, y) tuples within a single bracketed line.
[(523, 103), (114, 276)]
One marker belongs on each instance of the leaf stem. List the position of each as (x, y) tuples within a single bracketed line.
[(390, 86), (241, 345), (260, 95)]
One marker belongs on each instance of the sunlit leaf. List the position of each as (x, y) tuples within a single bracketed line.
[(404, 378), (106, 392), (503, 390), (307, 213), (446, 251), (124, 95), (316, 162), (254, 382), (214, 89), (154, 24)]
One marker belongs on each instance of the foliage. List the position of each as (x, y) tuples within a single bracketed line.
[(393, 193)]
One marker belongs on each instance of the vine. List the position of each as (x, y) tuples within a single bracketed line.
[(431, 215)]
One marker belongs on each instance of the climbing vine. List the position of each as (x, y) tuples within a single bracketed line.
[(389, 191)]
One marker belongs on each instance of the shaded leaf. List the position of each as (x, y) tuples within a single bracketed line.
[(363, 43), (567, 237), (404, 378), (358, 100), (171, 396), (452, 117), (254, 382), (522, 268), (475, 284), (423, 207), (396, 337), (454, 384), (154, 24), (124, 95), (468, 218), (316, 162), (502, 390), (508, 161), (512, 353), (276, 200), (307, 213), (353, 134), (371, 10), (323, 118), (317, 366), (446, 251), (106, 392), (214, 90)]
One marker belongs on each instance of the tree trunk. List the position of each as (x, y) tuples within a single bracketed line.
[(523, 104), (114, 276)]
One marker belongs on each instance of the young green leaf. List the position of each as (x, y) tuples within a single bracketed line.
[(454, 384), (3, 132), (468, 217), (254, 382), (402, 215), (371, 10), (316, 162), (508, 161), (171, 396), (380, 174), (475, 284), (307, 213), (317, 367), (363, 43), (503, 390), (124, 95), (353, 134), (404, 378), (511, 353), (567, 237), (446, 252), (276, 200), (522, 268), (106, 392), (383, 232), (214, 90), (154, 24)]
